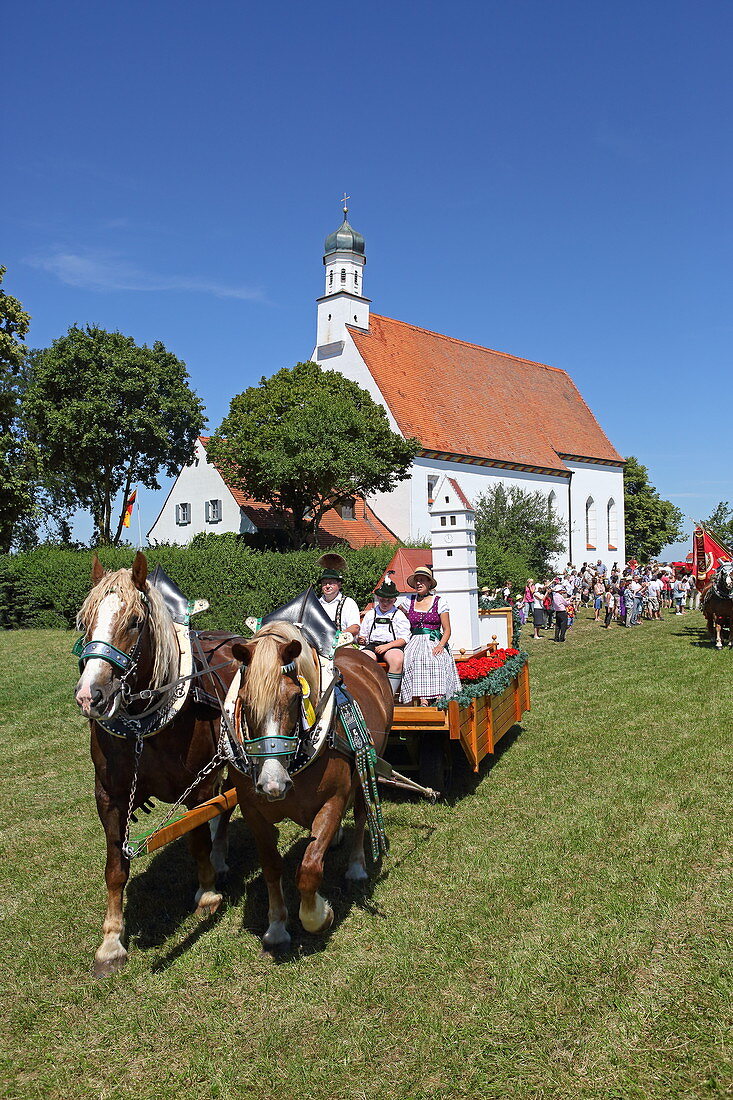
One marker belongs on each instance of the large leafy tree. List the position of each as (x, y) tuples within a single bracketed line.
[(651, 522), (306, 440), (16, 495), (720, 523), (518, 534), (106, 414)]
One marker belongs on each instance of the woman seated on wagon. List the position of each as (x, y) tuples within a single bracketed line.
[(385, 631), (429, 669)]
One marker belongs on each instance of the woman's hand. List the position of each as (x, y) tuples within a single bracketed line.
[(438, 649)]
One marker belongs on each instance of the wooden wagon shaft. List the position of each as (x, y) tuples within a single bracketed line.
[(197, 816)]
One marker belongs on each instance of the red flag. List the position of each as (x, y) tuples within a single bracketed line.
[(128, 508), (707, 555)]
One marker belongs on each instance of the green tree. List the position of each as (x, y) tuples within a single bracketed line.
[(307, 440), (650, 522), (105, 415), (518, 534), (720, 523), (16, 494)]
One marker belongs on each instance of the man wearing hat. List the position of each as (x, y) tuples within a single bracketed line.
[(385, 632), (339, 608)]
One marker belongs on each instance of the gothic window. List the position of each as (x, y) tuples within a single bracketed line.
[(552, 502), (612, 515), (432, 482), (590, 524)]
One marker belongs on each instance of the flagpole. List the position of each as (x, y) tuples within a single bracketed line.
[(139, 529)]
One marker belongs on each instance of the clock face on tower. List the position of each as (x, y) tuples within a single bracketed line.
[(447, 537)]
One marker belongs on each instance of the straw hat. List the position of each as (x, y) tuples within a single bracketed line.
[(426, 572)]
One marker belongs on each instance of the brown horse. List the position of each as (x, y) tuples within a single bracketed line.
[(130, 644), (717, 604), (270, 700)]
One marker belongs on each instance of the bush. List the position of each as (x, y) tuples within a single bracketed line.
[(46, 587), (498, 566)]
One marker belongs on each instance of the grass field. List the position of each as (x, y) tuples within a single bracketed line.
[(562, 928)]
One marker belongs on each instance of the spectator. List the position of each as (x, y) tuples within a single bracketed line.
[(560, 603)]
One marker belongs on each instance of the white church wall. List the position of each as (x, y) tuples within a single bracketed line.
[(195, 485), (341, 354), (601, 484)]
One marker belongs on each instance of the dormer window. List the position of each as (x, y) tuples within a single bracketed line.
[(347, 510)]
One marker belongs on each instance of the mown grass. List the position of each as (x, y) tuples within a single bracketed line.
[(562, 928)]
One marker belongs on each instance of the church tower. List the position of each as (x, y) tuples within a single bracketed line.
[(343, 302)]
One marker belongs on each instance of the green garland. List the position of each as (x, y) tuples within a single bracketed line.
[(493, 684)]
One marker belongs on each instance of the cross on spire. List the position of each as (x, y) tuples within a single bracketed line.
[(345, 200)]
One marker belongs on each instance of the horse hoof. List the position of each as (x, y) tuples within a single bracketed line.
[(103, 968), (207, 903), (356, 872), (276, 938)]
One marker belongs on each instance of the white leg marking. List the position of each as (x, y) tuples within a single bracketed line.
[(110, 954), (276, 935), (356, 871), (208, 899), (319, 918)]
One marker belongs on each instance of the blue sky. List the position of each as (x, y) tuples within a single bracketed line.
[(551, 180)]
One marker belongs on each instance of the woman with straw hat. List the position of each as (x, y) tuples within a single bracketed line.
[(429, 668)]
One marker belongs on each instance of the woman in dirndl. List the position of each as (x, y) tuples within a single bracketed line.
[(429, 668)]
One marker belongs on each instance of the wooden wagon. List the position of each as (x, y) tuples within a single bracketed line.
[(426, 734)]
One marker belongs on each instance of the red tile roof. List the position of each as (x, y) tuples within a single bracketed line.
[(464, 399), (365, 529), (404, 564)]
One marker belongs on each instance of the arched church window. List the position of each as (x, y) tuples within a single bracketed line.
[(590, 524), (343, 274), (612, 515), (552, 502)]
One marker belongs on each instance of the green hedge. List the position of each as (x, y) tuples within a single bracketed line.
[(47, 586)]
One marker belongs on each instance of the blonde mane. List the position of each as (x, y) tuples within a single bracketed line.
[(264, 675), (165, 643)]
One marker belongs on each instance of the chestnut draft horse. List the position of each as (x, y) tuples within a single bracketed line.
[(131, 644), (717, 604), (270, 700)]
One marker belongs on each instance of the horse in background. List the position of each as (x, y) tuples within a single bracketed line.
[(131, 644), (269, 704), (717, 604)]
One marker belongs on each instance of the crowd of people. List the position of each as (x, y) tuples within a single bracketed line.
[(622, 596)]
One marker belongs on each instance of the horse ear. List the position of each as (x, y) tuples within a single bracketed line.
[(243, 652), (140, 570), (290, 651), (97, 569)]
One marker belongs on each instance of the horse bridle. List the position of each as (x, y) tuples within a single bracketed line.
[(118, 658)]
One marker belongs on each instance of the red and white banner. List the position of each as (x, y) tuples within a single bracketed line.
[(707, 555)]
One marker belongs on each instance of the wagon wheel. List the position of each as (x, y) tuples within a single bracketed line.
[(434, 761)]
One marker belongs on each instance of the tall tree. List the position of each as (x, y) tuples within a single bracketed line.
[(518, 532), (105, 415), (651, 522), (16, 496), (720, 523), (306, 440)]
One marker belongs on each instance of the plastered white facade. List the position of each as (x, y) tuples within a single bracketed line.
[(406, 509), (454, 563), (195, 485)]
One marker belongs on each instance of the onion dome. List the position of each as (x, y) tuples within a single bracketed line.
[(344, 239)]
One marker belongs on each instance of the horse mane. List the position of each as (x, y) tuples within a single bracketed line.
[(264, 675), (163, 634)]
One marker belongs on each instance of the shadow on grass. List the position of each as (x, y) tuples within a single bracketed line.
[(697, 635), (464, 780)]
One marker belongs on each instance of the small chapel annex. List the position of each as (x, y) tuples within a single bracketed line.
[(528, 424)]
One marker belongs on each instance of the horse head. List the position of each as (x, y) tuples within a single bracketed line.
[(276, 666), (118, 643), (723, 582)]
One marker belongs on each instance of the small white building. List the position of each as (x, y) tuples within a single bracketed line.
[(454, 560), (481, 416)]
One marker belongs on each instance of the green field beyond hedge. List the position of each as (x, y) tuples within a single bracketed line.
[(563, 928)]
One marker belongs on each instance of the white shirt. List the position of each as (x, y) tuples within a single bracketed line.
[(380, 633), (349, 610)]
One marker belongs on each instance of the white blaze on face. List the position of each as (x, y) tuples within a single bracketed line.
[(96, 668), (273, 779)]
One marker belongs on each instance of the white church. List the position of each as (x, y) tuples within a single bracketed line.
[(482, 417)]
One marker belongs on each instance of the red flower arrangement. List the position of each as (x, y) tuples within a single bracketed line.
[(476, 668)]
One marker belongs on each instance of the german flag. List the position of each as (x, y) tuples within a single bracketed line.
[(128, 508)]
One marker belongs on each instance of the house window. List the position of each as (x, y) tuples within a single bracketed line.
[(612, 515), (443, 521), (449, 553), (432, 482), (348, 509), (590, 524), (453, 521), (213, 511), (183, 514)]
